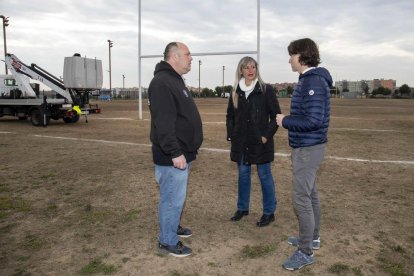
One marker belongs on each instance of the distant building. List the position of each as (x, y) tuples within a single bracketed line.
[(130, 93), (281, 88), (390, 84), (105, 95), (353, 89), (284, 85), (363, 87)]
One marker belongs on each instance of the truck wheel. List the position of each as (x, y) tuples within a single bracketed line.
[(23, 118), (67, 120), (37, 118), (73, 119)]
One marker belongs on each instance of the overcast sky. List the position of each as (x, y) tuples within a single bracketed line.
[(358, 40)]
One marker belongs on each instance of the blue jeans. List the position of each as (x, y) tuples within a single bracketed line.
[(173, 191), (268, 187)]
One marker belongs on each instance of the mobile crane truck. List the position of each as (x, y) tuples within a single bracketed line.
[(22, 99)]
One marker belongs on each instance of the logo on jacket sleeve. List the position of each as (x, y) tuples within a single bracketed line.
[(185, 93), (311, 92)]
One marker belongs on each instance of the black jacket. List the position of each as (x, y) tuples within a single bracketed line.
[(254, 117), (175, 121)]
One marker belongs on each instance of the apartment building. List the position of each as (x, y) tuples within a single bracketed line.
[(363, 86)]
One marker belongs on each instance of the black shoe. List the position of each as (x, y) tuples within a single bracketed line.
[(238, 215), (265, 220), (179, 250), (184, 232)]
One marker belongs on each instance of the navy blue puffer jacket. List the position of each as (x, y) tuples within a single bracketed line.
[(310, 109)]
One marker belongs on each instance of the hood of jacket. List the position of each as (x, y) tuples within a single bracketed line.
[(319, 71), (164, 66)]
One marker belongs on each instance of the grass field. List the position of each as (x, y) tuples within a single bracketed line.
[(80, 199)]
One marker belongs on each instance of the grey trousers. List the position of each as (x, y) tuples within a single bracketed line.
[(305, 164)]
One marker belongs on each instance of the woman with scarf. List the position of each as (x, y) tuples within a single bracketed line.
[(251, 125)]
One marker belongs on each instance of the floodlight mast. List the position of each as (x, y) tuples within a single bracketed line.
[(140, 57)]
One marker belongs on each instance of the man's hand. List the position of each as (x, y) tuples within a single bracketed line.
[(180, 162), (279, 119)]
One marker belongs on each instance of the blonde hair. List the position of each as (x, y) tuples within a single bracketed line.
[(239, 74)]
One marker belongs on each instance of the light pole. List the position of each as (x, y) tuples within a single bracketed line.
[(123, 81), (110, 43), (222, 88), (199, 87), (5, 24)]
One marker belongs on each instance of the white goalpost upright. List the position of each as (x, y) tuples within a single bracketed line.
[(140, 57)]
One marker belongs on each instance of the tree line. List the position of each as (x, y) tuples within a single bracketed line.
[(221, 91)]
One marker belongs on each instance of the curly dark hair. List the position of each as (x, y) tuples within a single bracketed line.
[(308, 51)]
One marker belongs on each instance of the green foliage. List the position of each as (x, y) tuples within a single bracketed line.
[(8, 205), (381, 91), (47, 176), (395, 269), (257, 251), (96, 266), (176, 273), (393, 258), (3, 187), (398, 249), (405, 89), (289, 90), (228, 88), (338, 268), (33, 242), (21, 272), (131, 215), (364, 87), (97, 216), (357, 271), (219, 89), (206, 92)]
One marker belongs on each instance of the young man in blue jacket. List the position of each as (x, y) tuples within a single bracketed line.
[(307, 124), (176, 136)]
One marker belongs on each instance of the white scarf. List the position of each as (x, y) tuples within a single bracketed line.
[(247, 89)]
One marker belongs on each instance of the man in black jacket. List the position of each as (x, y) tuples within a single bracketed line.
[(176, 135)]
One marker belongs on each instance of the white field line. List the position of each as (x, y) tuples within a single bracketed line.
[(218, 123), (373, 107), (371, 160), (93, 140), (332, 128), (127, 119), (349, 118), (121, 119), (222, 123), (332, 117), (362, 119), (5, 132), (227, 151), (364, 129)]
